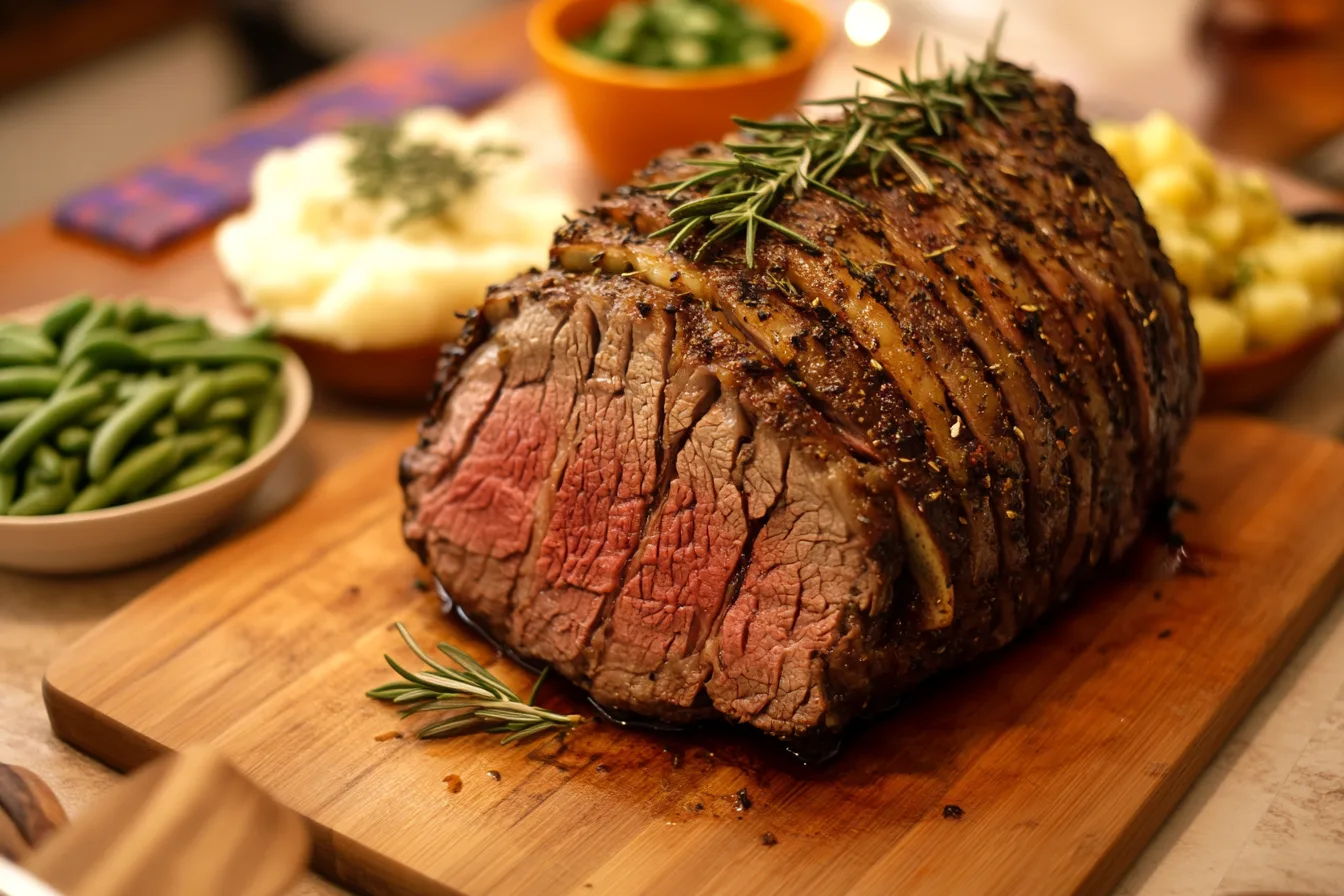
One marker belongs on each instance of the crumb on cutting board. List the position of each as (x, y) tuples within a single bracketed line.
[(389, 735)]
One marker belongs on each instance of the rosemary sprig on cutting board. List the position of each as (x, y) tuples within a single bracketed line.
[(777, 160), (479, 700)]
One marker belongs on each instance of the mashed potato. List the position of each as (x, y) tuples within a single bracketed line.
[(1256, 278), (332, 267)]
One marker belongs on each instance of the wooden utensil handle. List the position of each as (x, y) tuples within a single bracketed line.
[(29, 811), (185, 823)]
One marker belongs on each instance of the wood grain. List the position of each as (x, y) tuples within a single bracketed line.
[(189, 823), (1063, 753)]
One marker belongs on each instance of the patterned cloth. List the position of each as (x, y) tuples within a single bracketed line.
[(189, 189)]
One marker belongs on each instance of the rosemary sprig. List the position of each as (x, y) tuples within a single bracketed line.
[(777, 160), (427, 178), (480, 700)]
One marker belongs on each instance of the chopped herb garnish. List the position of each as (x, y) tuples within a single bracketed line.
[(425, 177)]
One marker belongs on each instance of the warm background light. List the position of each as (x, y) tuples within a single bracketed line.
[(866, 22)]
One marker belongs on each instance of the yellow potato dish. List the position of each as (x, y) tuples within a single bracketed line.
[(1257, 278)]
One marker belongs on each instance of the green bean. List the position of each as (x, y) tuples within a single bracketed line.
[(9, 482), (242, 378), (132, 315), (99, 316), (43, 500), (30, 333), (128, 387), (99, 414), (73, 440), (195, 397), (123, 425), (158, 317), (110, 380), (164, 427), (266, 421), (260, 331), (46, 462), (63, 318), (32, 478), (110, 348), (28, 381), (180, 331), (21, 350), (230, 449), (202, 440), (227, 410), (217, 352), (195, 474), (52, 498), (94, 496), (13, 411), (54, 414), (139, 472), (77, 374)]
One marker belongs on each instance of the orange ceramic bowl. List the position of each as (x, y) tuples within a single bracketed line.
[(626, 115)]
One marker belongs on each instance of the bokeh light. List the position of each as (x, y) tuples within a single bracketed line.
[(866, 22)]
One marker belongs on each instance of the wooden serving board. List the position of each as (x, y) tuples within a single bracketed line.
[(1063, 753)]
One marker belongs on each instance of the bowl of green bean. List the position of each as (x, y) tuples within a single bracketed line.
[(128, 431)]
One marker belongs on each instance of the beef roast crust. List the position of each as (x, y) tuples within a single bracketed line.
[(784, 494)]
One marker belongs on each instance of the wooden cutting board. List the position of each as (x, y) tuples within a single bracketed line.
[(1042, 770)]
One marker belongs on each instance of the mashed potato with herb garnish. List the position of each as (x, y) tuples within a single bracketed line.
[(1257, 278), (354, 272)]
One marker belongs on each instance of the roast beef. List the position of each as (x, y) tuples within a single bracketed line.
[(783, 493)]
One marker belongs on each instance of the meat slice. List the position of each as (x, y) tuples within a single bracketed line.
[(474, 508), (809, 593), (601, 495), (651, 657), (782, 493)]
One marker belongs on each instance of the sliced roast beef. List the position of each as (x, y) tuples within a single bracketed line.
[(783, 492)]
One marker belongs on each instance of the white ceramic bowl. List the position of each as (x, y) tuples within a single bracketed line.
[(100, 540)]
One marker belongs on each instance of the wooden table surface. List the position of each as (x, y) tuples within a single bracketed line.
[(1267, 815)]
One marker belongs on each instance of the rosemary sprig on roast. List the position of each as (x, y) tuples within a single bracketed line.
[(427, 178), (777, 160), (478, 700)]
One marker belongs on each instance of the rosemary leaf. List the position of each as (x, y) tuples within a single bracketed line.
[(479, 699), (778, 161), (536, 685)]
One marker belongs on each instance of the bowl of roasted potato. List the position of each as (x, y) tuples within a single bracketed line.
[(1265, 287)]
